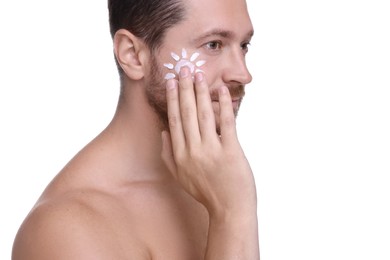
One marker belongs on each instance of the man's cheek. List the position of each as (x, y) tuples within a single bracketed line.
[(185, 58)]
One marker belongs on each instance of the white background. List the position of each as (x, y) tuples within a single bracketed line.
[(315, 123)]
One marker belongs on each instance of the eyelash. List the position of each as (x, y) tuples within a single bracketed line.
[(245, 46)]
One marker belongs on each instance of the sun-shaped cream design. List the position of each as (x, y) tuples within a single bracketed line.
[(184, 61)]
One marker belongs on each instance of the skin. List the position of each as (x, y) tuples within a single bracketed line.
[(141, 190)]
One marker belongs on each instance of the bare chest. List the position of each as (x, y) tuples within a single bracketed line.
[(170, 225)]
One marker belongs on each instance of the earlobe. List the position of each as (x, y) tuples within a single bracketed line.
[(128, 51)]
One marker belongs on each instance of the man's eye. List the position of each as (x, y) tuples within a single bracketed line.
[(214, 45), (245, 46)]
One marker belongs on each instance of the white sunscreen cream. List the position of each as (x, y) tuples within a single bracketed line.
[(183, 61)]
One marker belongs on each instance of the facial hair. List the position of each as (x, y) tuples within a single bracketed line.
[(156, 95)]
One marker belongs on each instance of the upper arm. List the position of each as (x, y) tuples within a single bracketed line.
[(71, 232)]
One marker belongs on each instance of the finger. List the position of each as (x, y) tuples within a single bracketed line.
[(174, 118), (206, 116), (188, 109), (227, 119)]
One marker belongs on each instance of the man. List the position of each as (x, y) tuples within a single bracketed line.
[(167, 179)]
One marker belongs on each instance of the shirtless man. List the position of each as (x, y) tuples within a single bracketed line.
[(167, 179)]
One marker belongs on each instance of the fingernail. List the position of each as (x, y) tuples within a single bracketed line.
[(199, 77), (184, 72), (171, 84), (223, 90)]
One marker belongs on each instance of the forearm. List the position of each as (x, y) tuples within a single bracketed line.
[(233, 237)]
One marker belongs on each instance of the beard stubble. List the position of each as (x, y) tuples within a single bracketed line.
[(156, 95)]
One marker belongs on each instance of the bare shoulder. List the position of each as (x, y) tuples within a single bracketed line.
[(78, 226)]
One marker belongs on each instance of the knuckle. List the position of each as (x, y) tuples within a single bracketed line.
[(204, 115), (173, 120), (228, 121), (187, 112), (180, 158), (195, 154)]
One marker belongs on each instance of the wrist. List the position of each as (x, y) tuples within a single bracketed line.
[(234, 214), (233, 233)]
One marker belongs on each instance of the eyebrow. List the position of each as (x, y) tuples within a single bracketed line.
[(221, 33)]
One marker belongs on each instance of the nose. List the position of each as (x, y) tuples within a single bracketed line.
[(236, 69)]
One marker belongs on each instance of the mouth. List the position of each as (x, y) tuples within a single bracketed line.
[(236, 104), (237, 94), (236, 100)]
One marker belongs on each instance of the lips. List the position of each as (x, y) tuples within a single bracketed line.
[(237, 99), (236, 104)]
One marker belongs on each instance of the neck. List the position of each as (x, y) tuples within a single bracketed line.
[(135, 136)]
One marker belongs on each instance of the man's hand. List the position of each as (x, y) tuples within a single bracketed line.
[(210, 167)]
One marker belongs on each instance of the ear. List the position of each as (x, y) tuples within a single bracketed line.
[(130, 53)]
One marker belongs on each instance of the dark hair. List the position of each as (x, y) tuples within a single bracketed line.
[(146, 19)]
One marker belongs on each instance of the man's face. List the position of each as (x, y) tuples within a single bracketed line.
[(219, 31)]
